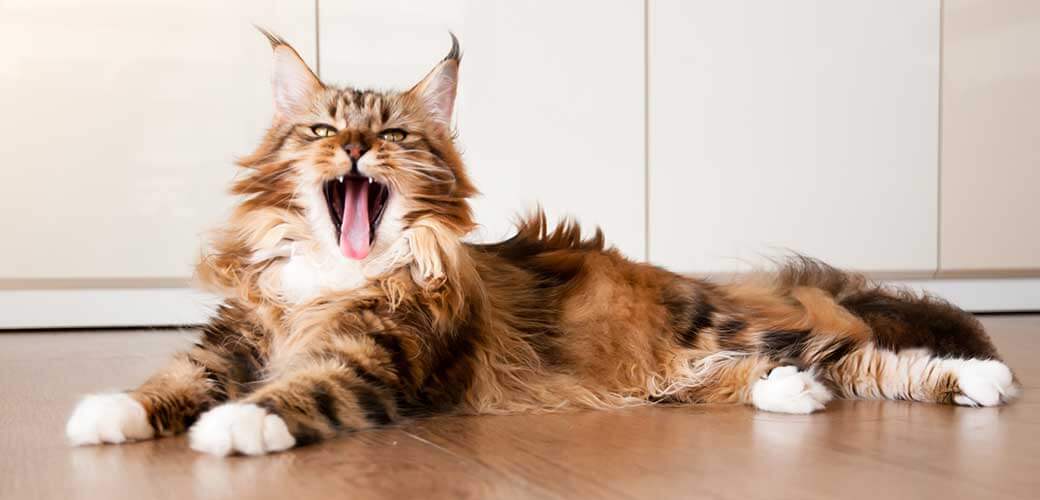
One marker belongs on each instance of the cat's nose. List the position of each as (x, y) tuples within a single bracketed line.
[(354, 151)]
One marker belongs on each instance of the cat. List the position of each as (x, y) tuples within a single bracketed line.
[(351, 301)]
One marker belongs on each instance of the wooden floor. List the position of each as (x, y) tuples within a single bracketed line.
[(862, 449)]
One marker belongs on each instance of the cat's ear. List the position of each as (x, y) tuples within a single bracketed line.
[(437, 90), (294, 83)]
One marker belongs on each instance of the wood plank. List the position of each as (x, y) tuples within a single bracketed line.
[(862, 449), (36, 463)]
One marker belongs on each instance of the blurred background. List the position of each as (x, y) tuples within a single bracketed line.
[(896, 137)]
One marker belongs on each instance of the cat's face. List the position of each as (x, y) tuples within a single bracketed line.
[(362, 166)]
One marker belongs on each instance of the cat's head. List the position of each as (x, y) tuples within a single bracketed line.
[(361, 167)]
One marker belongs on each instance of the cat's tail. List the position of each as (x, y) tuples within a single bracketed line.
[(898, 319), (837, 334), (866, 340)]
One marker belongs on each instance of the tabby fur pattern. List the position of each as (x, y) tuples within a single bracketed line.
[(319, 334)]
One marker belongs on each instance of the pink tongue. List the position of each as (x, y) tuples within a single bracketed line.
[(354, 235)]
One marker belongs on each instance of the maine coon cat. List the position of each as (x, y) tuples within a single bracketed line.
[(352, 301)]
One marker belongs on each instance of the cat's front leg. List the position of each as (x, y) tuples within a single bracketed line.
[(108, 418), (347, 387), (165, 404), (220, 367)]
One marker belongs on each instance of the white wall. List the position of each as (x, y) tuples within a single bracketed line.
[(811, 125), (550, 105), (121, 124)]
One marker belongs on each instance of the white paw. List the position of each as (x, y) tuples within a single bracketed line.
[(984, 383), (242, 428), (787, 390), (108, 418)]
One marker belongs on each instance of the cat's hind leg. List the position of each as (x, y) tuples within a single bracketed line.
[(748, 378), (917, 375), (787, 389)]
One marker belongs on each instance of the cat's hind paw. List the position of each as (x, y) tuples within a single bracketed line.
[(240, 428), (789, 390), (108, 418), (984, 383)]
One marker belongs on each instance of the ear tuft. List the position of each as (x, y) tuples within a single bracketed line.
[(437, 90), (271, 37), (294, 83), (456, 51)]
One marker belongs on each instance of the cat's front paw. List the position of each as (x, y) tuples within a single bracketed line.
[(240, 428), (984, 383), (788, 390), (108, 418)]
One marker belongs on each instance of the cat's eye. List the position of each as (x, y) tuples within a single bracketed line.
[(323, 130), (393, 135)]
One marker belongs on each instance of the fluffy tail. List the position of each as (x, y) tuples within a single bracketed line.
[(871, 341), (898, 319), (859, 339)]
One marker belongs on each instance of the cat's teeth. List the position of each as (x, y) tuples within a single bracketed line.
[(340, 178), (370, 180)]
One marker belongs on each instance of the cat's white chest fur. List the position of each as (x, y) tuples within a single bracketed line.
[(305, 276)]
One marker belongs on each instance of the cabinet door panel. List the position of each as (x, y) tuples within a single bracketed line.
[(550, 105), (801, 125), (121, 124), (991, 137)]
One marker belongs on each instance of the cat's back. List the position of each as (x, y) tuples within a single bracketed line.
[(590, 302), (559, 262)]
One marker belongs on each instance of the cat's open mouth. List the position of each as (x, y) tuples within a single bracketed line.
[(356, 204)]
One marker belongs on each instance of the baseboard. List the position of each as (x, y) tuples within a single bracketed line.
[(101, 308), (150, 307), (983, 295)]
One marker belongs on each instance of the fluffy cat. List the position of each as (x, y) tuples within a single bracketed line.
[(351, 301)]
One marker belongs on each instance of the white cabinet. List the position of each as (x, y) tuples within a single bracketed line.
[(802, 125), (550, 103), (121, 124), (991, 137), (701, 135)]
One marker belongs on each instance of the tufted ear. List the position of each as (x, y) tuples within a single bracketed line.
[(437, 90), (295, 85)]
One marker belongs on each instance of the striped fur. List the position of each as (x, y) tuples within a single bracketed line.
[(543, 321)]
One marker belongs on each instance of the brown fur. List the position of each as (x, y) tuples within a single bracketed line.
[(543, 321)]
